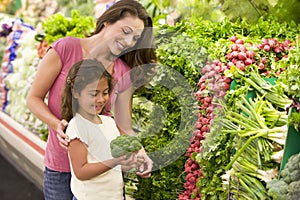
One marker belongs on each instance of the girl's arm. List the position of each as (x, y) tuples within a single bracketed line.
[(48, 70), (84, 170)]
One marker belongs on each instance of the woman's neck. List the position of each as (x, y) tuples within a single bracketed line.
[(95, 48)]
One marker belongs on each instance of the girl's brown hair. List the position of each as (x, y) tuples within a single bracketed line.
[(81, 74), (142, 55)]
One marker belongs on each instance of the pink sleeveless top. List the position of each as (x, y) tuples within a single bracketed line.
[(70, 51)]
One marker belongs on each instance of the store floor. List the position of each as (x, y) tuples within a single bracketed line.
[(14, 186)]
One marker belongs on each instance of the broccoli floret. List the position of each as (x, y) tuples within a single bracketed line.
[(118, 151), (288, 186), (292, 177), (277, 189), (124, 145), (293, 162), (291, 171), (294, 191)]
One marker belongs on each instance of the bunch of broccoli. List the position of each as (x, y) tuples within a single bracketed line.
[(287, 187), (124, 145)]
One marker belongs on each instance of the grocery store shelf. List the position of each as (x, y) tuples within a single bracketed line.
[(23, 149)]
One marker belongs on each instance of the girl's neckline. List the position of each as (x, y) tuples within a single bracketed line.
[(95, 124)]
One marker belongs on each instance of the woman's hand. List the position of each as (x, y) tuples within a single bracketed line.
[(145, 166), (61, 136)]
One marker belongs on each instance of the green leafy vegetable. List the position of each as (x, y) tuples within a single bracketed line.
[(58, 26), (277, 189), (124, 145)]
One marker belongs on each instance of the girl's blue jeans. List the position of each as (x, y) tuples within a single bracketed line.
[(57, 185)]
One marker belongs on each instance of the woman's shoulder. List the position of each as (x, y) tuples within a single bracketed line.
[(68, 39), (69, 50), (121, 65), (66, 42)]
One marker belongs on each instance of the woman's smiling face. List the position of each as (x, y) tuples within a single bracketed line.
[(123, 34)]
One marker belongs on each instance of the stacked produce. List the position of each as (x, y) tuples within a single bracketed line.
[(287, 186), (212, 88), (10, 53), (19, 81), (249, 129), (171, 121), (18, 68), (214, 37), (257, 137), (290, 78), (5, 30), (3, 5), (39, 8), (58, 26)]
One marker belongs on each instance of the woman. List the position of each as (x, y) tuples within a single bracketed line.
[(122, 41)]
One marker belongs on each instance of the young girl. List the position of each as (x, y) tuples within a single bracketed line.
[(95, 173)]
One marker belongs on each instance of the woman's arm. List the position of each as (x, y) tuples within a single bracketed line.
[(123, 119), (84, 170), (48, 70), (123, 112)]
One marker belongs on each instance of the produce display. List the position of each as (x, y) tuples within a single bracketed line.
[(124, 145), (19, 81), (242, 122), (249, 128)]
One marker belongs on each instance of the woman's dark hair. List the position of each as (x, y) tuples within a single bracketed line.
[(80, 75), (142, 55)]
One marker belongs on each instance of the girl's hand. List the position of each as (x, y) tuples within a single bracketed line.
[(61, 136), (130, 163)]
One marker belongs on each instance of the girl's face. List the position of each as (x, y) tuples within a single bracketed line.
[(92, 98), (123, 34)]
